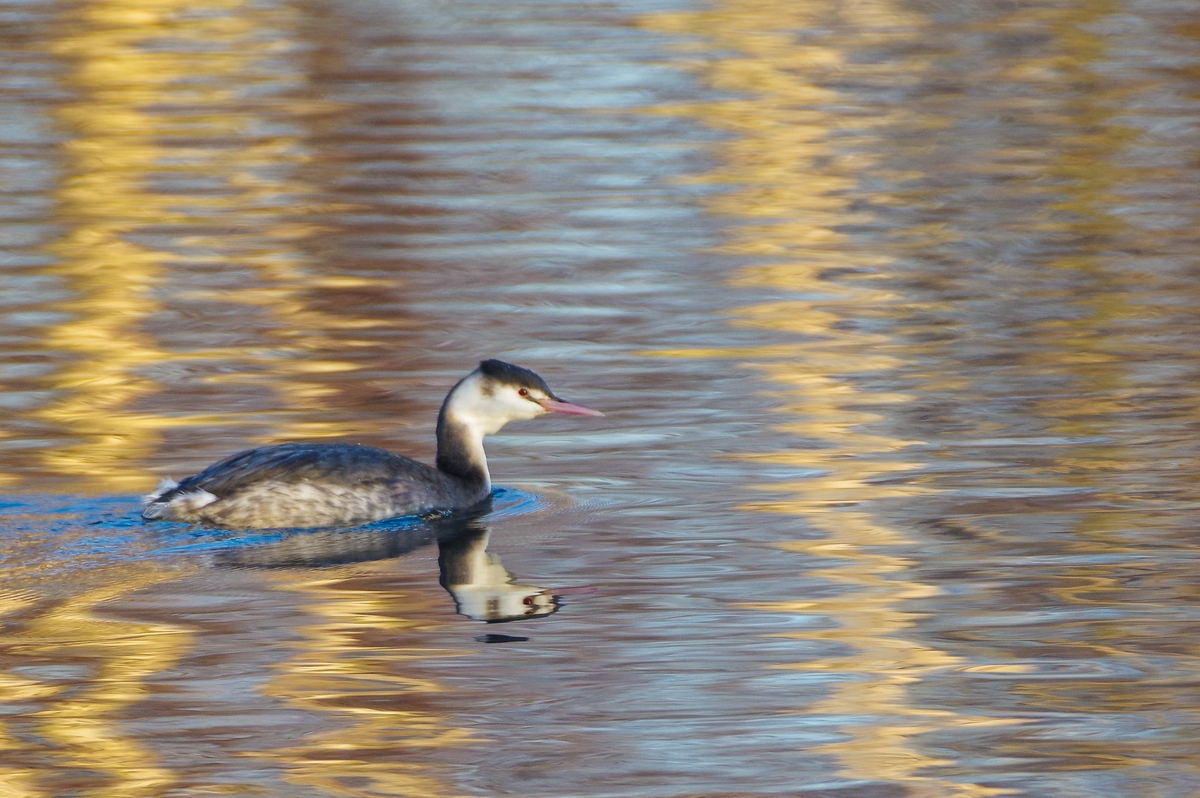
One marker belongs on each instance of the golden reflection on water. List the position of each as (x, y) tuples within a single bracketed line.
[(160, 138), (158, 141), (77, 716), (18, 781), (353, 664), (106, 159), (792, 183)]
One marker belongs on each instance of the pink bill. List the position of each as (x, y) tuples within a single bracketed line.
[(568, 408)]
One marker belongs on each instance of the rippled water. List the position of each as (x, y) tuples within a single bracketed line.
[(890, 306)]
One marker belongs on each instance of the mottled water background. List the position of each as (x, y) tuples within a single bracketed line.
[(892, 307)]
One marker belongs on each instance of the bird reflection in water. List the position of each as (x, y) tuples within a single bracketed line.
[(482, 588)]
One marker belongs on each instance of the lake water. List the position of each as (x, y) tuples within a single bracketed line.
[(891, 308)]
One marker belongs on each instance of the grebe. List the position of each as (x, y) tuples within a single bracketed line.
[(341, 484)]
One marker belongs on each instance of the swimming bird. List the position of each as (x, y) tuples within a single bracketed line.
[(340, 484)]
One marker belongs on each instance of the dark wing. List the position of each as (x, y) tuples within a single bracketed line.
[(327, 463)]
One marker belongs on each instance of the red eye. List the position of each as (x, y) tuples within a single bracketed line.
[(523, 392)]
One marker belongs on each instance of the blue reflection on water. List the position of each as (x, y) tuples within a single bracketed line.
[(63, 533)]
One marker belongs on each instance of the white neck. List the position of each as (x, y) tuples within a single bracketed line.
[(460, 433), (475, 407)]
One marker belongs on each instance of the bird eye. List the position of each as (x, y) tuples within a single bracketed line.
[(523, 392)]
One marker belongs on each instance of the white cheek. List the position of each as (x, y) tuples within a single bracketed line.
[(502, 408), (517, 407), (487, 413)]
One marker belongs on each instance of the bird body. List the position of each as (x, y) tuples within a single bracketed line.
[(339, 484)]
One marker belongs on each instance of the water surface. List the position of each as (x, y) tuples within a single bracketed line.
[(889, 307)]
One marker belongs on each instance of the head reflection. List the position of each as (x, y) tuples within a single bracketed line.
[(482, 588)]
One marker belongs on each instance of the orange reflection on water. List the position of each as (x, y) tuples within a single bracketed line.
[(169, 170), (88, 668), (792, 182), (110, 149), (354, 664)]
